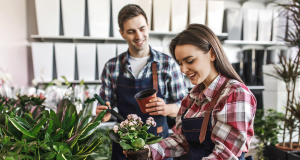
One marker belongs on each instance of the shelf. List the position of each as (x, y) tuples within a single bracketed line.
[(77, 82), (105, 39), (242, 44), (256, 87)]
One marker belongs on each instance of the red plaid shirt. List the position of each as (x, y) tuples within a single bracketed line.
[(232, 121)]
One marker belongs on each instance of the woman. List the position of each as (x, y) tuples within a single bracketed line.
[(216, 118)]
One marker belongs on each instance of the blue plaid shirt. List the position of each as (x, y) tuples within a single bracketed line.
[(170, 79)]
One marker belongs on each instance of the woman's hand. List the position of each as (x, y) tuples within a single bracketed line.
[(157, 106), (101, 108)]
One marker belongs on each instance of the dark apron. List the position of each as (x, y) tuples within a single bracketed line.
[(126, 89), (191, 128)]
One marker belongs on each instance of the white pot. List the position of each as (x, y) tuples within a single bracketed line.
[(197, 11), (47, 16), (86, 55), (73, 12), (250, 24), (234, 23), (117, 5), (105, 53), (215, 16), (264, 25), (99, 17), (179, 15), (161, 15), (42, 57), (121, 48), (146, 5), (65, 60)]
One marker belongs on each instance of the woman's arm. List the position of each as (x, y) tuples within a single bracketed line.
[(233, 127)]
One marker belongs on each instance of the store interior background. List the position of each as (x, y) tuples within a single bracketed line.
[(19, 34)]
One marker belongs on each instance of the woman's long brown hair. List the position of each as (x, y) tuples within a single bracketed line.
[(201, 36)]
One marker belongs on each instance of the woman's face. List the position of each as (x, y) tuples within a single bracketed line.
[(196, 64)]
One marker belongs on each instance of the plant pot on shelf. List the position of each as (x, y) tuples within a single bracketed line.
[(293, 155), (138, 155), (274, 153)]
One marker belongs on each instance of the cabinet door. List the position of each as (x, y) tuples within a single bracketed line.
[(99, 17), (86, 58), (42, 57), (105, 52), (65, 60), (47, 15), (73, 12)]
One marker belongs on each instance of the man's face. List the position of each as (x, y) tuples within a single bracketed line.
[(136, 33)]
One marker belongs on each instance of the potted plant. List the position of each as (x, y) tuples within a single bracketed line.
[(132, 135)]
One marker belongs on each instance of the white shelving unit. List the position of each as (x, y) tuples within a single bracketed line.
[(260, 43)]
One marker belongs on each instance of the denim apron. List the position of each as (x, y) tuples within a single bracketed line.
[(126, 89), (191, 128)]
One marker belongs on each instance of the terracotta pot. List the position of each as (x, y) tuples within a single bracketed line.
[(143, 98), (287, 147), (138, 155)]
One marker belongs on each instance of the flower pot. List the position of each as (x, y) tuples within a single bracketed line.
[(274, 153), (73, 12), (42, 57), (215, 12), (161, 15), (264, 24), (143, 98), (287, 148), (293, 155), (179, 15), (138, 155), (65, 60), (197, 11), (99, 17), (47, 15)]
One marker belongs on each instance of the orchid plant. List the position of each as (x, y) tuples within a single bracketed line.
[(132, 133)]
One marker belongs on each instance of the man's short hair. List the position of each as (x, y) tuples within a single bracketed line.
[(129, 11)]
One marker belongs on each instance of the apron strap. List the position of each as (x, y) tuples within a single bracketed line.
[(154, 75), (208, 111)]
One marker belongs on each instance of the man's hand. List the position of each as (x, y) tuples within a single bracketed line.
[(101, 108), (157, 106)]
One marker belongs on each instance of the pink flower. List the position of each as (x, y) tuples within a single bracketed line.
[(122, 124), (151, 119), (132, 128), (115, 128), (148, 122), (131, 124), (134, 116), (126, 122), (129, 116), (153, 123)]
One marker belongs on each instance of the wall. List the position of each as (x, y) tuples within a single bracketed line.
[(13, 40)]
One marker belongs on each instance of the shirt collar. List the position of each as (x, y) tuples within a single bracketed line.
[(153, 56), (209, 93)]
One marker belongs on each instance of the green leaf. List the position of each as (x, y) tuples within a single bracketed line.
[(2, 119), (71, 122), (55, 147), (58, 135), (29, 119), (6, 132), (49, 129), (83, 124), (89, 129), (56, 121), (153, 140), (143, 134), (35, 130), (71, 132), (48, 155), (100, 116), (47, 138), (66, 81), (91, 147), (81, 83), (126, 146), (114, 136), (20, 127), (45, 147), (23, 122)]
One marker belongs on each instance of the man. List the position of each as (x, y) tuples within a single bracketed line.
[(137, 69)]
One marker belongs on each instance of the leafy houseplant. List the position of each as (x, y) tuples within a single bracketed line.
[(266, 128), (49, 135), (132, 135)]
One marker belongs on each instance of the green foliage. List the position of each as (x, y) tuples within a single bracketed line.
[(131, 134), (266, 128), (43, 134)]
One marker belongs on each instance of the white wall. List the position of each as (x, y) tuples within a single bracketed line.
[(13, 40)]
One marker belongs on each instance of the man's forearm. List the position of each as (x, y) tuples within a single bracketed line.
[(173, 110)]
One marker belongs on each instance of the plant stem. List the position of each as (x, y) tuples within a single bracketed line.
[(286, 110)]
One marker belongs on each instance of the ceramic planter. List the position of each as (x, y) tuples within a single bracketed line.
[(264, 25), (47, 15), (197, 11), (73, 13), (86, 58), (42, 57), (179, 15), (215, 13), (99, 17), (65, 60), (105, 52), (161, 15)]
